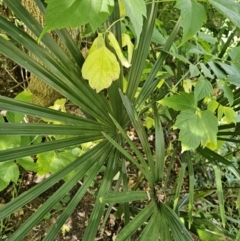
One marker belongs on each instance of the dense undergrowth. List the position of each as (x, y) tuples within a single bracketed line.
[(155, 88)]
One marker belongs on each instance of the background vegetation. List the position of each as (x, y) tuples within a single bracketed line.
[(155, 91)]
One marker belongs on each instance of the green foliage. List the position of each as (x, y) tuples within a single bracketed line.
[(191, 88), (76, 13)]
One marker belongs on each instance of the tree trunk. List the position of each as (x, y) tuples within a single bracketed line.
[(43, 94)]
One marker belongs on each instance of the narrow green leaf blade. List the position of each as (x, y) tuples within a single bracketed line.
[(159, 145), (123, 197), (140, 131), (138, 220), (23, 151), (218, 179), (183, 101), (180, 179), (151, 232), (29, 195), (92, 172)]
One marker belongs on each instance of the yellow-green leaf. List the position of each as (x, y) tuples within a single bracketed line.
[(187, 85), (118, 50), (149, 122), (230, 115), (101, 68), (212, 105), (126, 41), (97, 43)]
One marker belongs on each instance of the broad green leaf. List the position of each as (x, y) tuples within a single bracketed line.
[(230, 116), (183, 101), (216, 70), (7, 142), (25, 96), (206, 71), (202, 89), (60, 161), (135, 10), (194, 71), (119, 53), (3, 184), (193, 16), (210, 123), (126, 41), (9, 171), (74, 13), (228, 93), (234, 79), (229, 8), (27, 163), (44, 162), (196, 129), (149, 122), (212, 105), (97, 43), (101, 68)]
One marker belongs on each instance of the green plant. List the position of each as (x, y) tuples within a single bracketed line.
[(182, 64)]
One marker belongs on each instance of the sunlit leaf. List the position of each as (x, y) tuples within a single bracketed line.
[(126, 41), (230, 116), (196, 129), (101, 68), (118, 50), (7, 142), (9, 171), (44, 162), (212, 105), (183, 101), (27, 163)]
